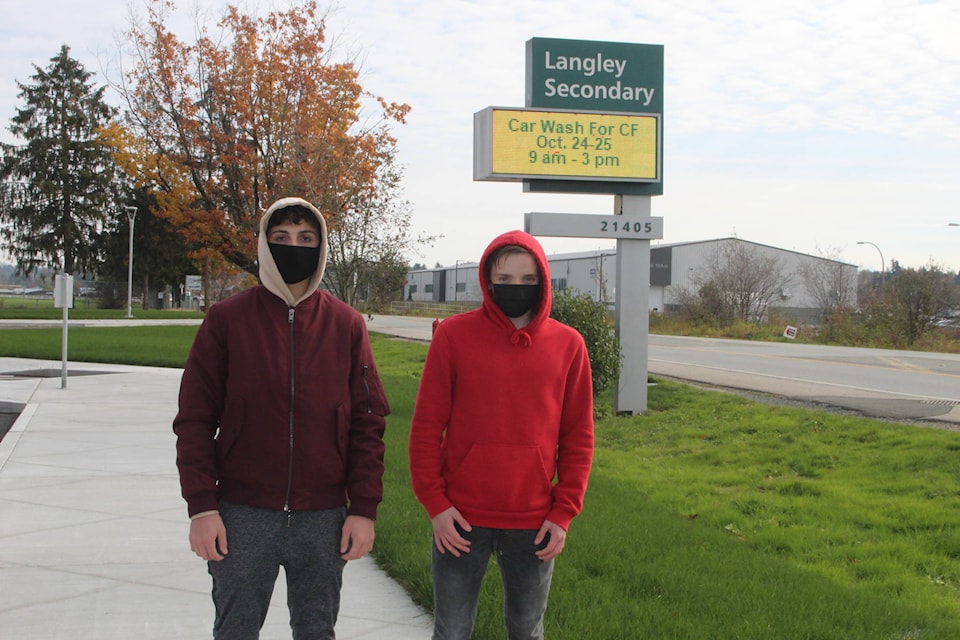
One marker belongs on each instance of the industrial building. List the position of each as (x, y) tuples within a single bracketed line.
[(673, 268)]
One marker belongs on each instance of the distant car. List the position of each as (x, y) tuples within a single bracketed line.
[(948, 323), (950, 319)]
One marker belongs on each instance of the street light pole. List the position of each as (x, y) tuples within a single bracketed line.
[(131, 216), (883, 265)]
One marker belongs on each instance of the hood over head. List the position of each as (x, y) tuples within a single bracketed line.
[(542, 309), (269, 273)]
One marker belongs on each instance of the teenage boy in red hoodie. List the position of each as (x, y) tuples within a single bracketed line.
[(280, 436), (501, 442)]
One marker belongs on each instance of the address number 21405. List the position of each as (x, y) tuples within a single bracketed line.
[(626, 227)]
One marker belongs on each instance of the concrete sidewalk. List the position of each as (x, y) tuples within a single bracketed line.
[(93, 532)]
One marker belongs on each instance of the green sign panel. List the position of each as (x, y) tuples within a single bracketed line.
[(612, 77), (598, 76)]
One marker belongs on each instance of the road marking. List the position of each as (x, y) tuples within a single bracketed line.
[(817, 382)]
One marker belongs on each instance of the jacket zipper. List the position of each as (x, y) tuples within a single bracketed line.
[(293, 380), (367, 388)]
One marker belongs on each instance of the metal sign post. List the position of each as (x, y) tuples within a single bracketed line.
[(63, 299), (632, 321), (632, 227), (593, 123)]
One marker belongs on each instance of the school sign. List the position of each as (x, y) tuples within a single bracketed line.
[(593, 116)]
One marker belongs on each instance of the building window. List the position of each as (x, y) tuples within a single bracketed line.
[(558, 284), (413, 288), (428, 288), (461, 287)]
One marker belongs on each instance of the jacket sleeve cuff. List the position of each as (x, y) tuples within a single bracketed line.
[(561, 518), (204, 514), (436, 506), (202, 505), (361, 507)]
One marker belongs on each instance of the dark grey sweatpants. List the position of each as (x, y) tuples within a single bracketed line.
[(259, 542)]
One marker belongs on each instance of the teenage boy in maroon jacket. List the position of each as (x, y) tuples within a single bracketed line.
[(502, 442), (280, 436)]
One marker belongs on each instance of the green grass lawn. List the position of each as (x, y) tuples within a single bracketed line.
[(714, 517), (708, 517)]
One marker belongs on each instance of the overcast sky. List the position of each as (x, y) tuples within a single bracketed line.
[(808, 125)]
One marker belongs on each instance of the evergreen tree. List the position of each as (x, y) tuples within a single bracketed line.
[(59, 188)]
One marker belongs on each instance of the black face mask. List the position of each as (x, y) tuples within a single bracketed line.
[(516, 299), (295, 264)]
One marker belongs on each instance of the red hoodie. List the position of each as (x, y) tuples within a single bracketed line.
[(503, 425)]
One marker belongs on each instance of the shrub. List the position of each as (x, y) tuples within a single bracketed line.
[(589, 317)]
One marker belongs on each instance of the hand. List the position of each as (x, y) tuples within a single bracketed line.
[(558, 538), (356, 538), (445, 534), (208, 537)]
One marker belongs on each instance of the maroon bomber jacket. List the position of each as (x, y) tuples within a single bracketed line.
[(281, 407)]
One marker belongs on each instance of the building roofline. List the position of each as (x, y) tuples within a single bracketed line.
[(612, 252)]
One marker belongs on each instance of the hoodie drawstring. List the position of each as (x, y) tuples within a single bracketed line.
[(520, 338)]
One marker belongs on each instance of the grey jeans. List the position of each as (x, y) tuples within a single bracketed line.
[(526, 584), (260, 541)]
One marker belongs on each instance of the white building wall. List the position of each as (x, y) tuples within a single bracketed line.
[(591, 273), (416, 289), (686, 266), (689, 262), (656, 299), (467, 276)]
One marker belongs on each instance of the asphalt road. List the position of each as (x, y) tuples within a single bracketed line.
[(879, 383)]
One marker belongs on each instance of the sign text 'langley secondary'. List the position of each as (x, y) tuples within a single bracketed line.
[(606, 69)]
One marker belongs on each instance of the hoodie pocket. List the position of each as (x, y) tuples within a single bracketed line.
[(501, 478)]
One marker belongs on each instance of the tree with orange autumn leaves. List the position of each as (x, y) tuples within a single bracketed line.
[(260, 110)]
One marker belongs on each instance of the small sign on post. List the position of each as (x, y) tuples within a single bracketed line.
[(591, 225), (63, 299)]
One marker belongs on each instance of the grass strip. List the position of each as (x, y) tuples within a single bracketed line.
[(149, 346)]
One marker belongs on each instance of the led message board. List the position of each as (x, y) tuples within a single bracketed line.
[(519, 144)]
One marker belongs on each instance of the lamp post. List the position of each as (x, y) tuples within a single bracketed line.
[(883, 265), (131, 216)]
